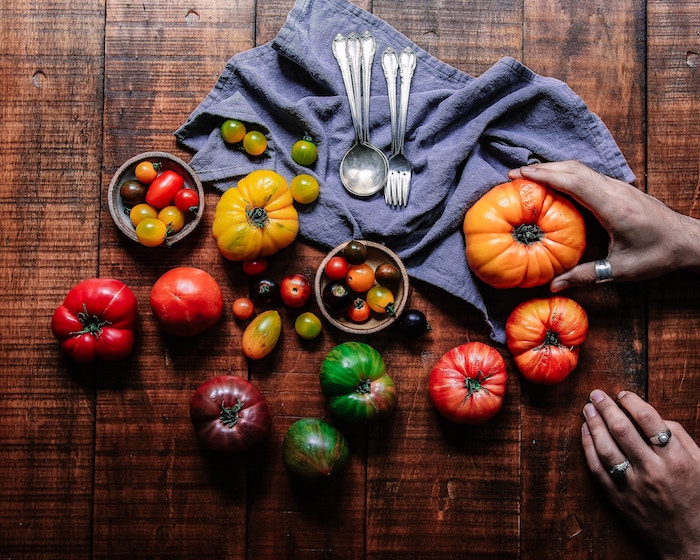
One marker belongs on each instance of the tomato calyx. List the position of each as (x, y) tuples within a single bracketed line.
[(474, 384), (528, 234), (364, 388), (92, 324), (229, 414), (257, 217)]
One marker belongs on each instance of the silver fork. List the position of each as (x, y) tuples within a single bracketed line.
[(400, 168)]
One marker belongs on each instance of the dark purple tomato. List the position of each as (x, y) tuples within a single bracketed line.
[(312, 448), (337, 296), (355, 252), (264, 288), (413, 323)]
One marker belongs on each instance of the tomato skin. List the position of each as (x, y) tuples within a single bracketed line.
[(359, 311), (381, 300), (243, 308), (187, 200), (313, 449), (307, 325), (295, 290), (132, 193), (142, 211), (229, 415), (151, 232), (96, 321), (522, 234), (356, 385), (255, 267), (336, 295), (173, 218), (544, 336), (355, 252), (360, 277), (186, 301), (304, 151), (304, 188), (386, 274), (468, 383), (233, 131), (261, 335), (255, 143), (336, 268), (264, 288), (146, 172), (413, 323), (255, 219), (161, 192)]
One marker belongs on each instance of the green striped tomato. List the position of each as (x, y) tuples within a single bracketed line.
[(312, 448)]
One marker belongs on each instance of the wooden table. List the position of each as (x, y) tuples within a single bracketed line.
[(102, 461)]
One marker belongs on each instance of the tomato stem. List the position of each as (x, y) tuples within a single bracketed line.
[(92, 324), (474, 384), (365, 387), (528, 234), (257, 217), (229, 414)]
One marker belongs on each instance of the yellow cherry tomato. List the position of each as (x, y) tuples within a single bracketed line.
[(254, 143), (142, 211), (304, 188), (233, 131), (146, 172), (151, 232), (172, 217)]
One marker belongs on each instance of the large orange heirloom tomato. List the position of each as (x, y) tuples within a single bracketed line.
[(256, 218), (521, 234), (544, 336)]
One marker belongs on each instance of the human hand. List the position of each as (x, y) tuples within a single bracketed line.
[(647, 238), (659, 492)]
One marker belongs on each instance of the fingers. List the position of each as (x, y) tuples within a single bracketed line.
[(603, 451), (580, 275), (648, 419)]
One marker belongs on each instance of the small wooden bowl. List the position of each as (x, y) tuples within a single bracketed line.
[(126, 173), (376, 254)]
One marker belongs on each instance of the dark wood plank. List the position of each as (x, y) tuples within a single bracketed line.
[(51, 90), (594, 47)]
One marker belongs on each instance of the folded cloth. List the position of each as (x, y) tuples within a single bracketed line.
[(463, 134)]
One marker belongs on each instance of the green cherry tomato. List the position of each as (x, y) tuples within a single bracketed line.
[(254, 143), (381, 300), (151, 232), (304, 151), (233, 131), (304, 188), (307, 325)]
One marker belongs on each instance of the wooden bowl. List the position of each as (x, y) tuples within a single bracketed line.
[(376, 254), (126, 173)]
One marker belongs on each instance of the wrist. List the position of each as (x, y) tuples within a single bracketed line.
[(688, 252)]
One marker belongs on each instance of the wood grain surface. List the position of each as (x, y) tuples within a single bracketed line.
[(101, 461)]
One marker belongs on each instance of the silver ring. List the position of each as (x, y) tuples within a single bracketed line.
[(619, 471), (603, 271), (661, 438)]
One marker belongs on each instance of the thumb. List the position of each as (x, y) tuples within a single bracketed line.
[(580, 275)]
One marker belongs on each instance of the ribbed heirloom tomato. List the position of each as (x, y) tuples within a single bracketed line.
[(256, 218), (544, 336), (521, 234), (468, 383)]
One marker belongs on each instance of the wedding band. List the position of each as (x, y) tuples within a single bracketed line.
[(661, 438), (619, 471), (603, 271)]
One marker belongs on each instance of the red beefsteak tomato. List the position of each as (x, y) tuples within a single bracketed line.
[(229, 415), (186, 301), (468, 383), (96, 320), (544, 336)]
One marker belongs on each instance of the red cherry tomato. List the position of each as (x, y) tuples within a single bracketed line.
[(187, 200), (336, 268), (161, 192), (255, 267), (359, 311), (243, 308)]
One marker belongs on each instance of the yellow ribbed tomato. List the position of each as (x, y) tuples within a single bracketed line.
[(521, 234), (256, 218)]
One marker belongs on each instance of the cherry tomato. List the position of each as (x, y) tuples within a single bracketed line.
[(413, 323), (132, 192), (355, 252), (254, 143), (161, 192), (172, 217), (295, 290), (360, 277), (233, 131), (255, 267), (304, 188), (387, 275), (264, 288), (187, 200), (336, 295), (146, 172), (381, 300), (304, 151), (336, 268), (142, 211), (151, 232), (307, 325), (243, 308), (359, 311)]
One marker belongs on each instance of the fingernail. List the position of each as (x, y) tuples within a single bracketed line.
[(597, 395), (558, 285), (589, 411), (585, 430)]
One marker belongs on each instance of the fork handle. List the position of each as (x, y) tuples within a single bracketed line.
[(407, 65), (390, 64)]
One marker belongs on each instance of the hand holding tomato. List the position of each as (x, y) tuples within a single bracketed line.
[(544, 336), (96, 321), (468, 383)]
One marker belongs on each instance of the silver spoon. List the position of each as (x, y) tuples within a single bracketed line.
[(364, 168)]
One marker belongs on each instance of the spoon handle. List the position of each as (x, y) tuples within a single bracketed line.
[(407, 65), (390, 64), (340, 52), (369, 48), (354, 53)]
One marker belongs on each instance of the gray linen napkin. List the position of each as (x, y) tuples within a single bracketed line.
[(463, 134)]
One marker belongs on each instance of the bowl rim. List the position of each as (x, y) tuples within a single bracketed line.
[(401, 294), (116, 206)]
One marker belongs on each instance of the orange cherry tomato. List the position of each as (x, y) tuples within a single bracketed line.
[(360, 277), (243, 308), (146, 172)]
